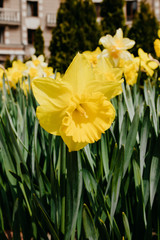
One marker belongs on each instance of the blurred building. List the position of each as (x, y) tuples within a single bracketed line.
[(20, 18), (18, 21)]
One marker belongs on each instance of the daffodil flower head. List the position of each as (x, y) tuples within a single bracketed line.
[(147, 62), (92, 56), (77, 107), (116, 46), (39, 61), (157, 47), (15, 72)]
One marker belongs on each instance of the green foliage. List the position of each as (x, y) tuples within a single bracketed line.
[(144, 29), (76, 30), (39, 42), (108, 190), (112, 16)]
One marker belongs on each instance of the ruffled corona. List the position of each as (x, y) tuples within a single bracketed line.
[(87, 117)]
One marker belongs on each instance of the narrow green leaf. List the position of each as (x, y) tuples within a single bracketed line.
[(116, 181), (126, 226), (46, 218), (104, 155), (144, 139), (154, 177), (131, 140), (88, 224)]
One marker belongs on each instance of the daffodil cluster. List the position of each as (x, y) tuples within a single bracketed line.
[(20, 71), (116, 51)]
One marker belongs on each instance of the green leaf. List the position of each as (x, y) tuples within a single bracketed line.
[(104, 155), (116, 181), (73, 192), (46, 218), (144, 139), (126, 226), (88, 224), (154, 177), (131, 140)]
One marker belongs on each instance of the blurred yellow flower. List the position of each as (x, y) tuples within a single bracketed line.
[(157, 47), (130, 70), (111, 78), (15, 72), (92, 56), (77, 107), (48, 71), (116, 47), (33, 72), (39, 61), (147, 62), (37, 68), (1, 72)]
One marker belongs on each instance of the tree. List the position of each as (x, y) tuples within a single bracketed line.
[(38, 42), (144, 29), (112, 16), (76, 30)]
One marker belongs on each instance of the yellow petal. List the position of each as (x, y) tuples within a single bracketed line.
[(143, 55), (153, 64), (119, 34), (50, 117), (157, 47), (49, 90), (79, 74), (127, 43), (72, 146), (107, 41)]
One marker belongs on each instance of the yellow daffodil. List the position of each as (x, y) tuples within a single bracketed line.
[(39, 61), (76, 107), (92, 56), (15, 72), (116, 47), (6, 81), (38, 68), (157, 47), (1, 71), (147, 62), (19, 65), (110, 77), (48, 71), (130, 70)]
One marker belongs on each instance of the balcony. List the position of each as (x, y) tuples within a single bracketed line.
[(51, 19), (9, 17)]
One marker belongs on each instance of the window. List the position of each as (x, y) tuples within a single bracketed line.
[(32, 9), (1, 3), (31, 33), (1, 35), (131, 8)]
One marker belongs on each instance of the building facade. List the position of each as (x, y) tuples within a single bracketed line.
[(20, 18), (18, 21)]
